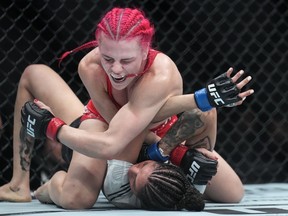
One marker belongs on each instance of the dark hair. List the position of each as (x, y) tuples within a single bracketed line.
[(168, 189)]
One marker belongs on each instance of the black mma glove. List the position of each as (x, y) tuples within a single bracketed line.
[(221, 91), (198, 168), (39, 123)]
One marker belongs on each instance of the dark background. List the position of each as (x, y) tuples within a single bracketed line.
[(203, 37)]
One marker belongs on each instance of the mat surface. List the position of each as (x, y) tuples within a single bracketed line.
[(260, 199)]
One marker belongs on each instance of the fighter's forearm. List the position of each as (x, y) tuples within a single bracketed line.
[(175, 105)]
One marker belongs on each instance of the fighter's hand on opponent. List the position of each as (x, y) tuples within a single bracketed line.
[(199, 165), (151, 152), (39, 122), (223, 90)]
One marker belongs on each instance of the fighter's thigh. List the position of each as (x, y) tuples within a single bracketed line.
[(46, 85), (85, 171), (225, 186), (85, 176), (204, 130)]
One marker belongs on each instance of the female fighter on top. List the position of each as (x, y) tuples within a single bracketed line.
[(122, 75)]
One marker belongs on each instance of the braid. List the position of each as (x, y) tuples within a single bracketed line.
[(84, 46), (168, 189), (125, 23)]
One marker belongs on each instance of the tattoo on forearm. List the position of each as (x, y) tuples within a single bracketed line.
[(26, 148), (203, 143), (183, 129)]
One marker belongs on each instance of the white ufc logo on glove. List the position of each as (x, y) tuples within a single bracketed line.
[(193, 171), (30, 124), (213, 92)]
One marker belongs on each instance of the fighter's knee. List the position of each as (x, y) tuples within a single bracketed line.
[(78, 199), (234, 195), (237, 195), (29, 73), (210, 116), (31, 69)]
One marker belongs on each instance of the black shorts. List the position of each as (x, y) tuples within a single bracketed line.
[(66, 151)]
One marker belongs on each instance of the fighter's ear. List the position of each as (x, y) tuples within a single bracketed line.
[(145, 52)]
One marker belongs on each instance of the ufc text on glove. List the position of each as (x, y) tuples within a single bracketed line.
[(221, 91)]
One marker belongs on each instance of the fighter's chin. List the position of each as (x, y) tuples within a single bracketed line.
[(119, 86)]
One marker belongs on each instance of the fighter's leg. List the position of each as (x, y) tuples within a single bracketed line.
[(196, 128), (205, 130), (80, 186), (225, 186), (200, 128), (41, 82)]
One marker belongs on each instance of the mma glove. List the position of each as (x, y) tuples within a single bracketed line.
[(40, 123), (198, 168), (221, 91)]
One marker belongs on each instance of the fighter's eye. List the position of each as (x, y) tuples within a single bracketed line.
[(126, 61), (109, 60)]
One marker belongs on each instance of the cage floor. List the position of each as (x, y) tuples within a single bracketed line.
[(260, 199)]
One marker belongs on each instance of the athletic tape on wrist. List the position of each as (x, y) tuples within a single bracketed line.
[(53, 128), (177, 154), (201, 99), (154, 153)]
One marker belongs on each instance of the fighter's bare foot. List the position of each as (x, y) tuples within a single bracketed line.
[(14, 194), (42, 194)]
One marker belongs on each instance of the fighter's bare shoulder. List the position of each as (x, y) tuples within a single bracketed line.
[(164, 62), (91, 63), (167, 73)]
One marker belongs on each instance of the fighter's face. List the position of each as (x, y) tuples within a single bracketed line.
[(138, 174), (121, 59)]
